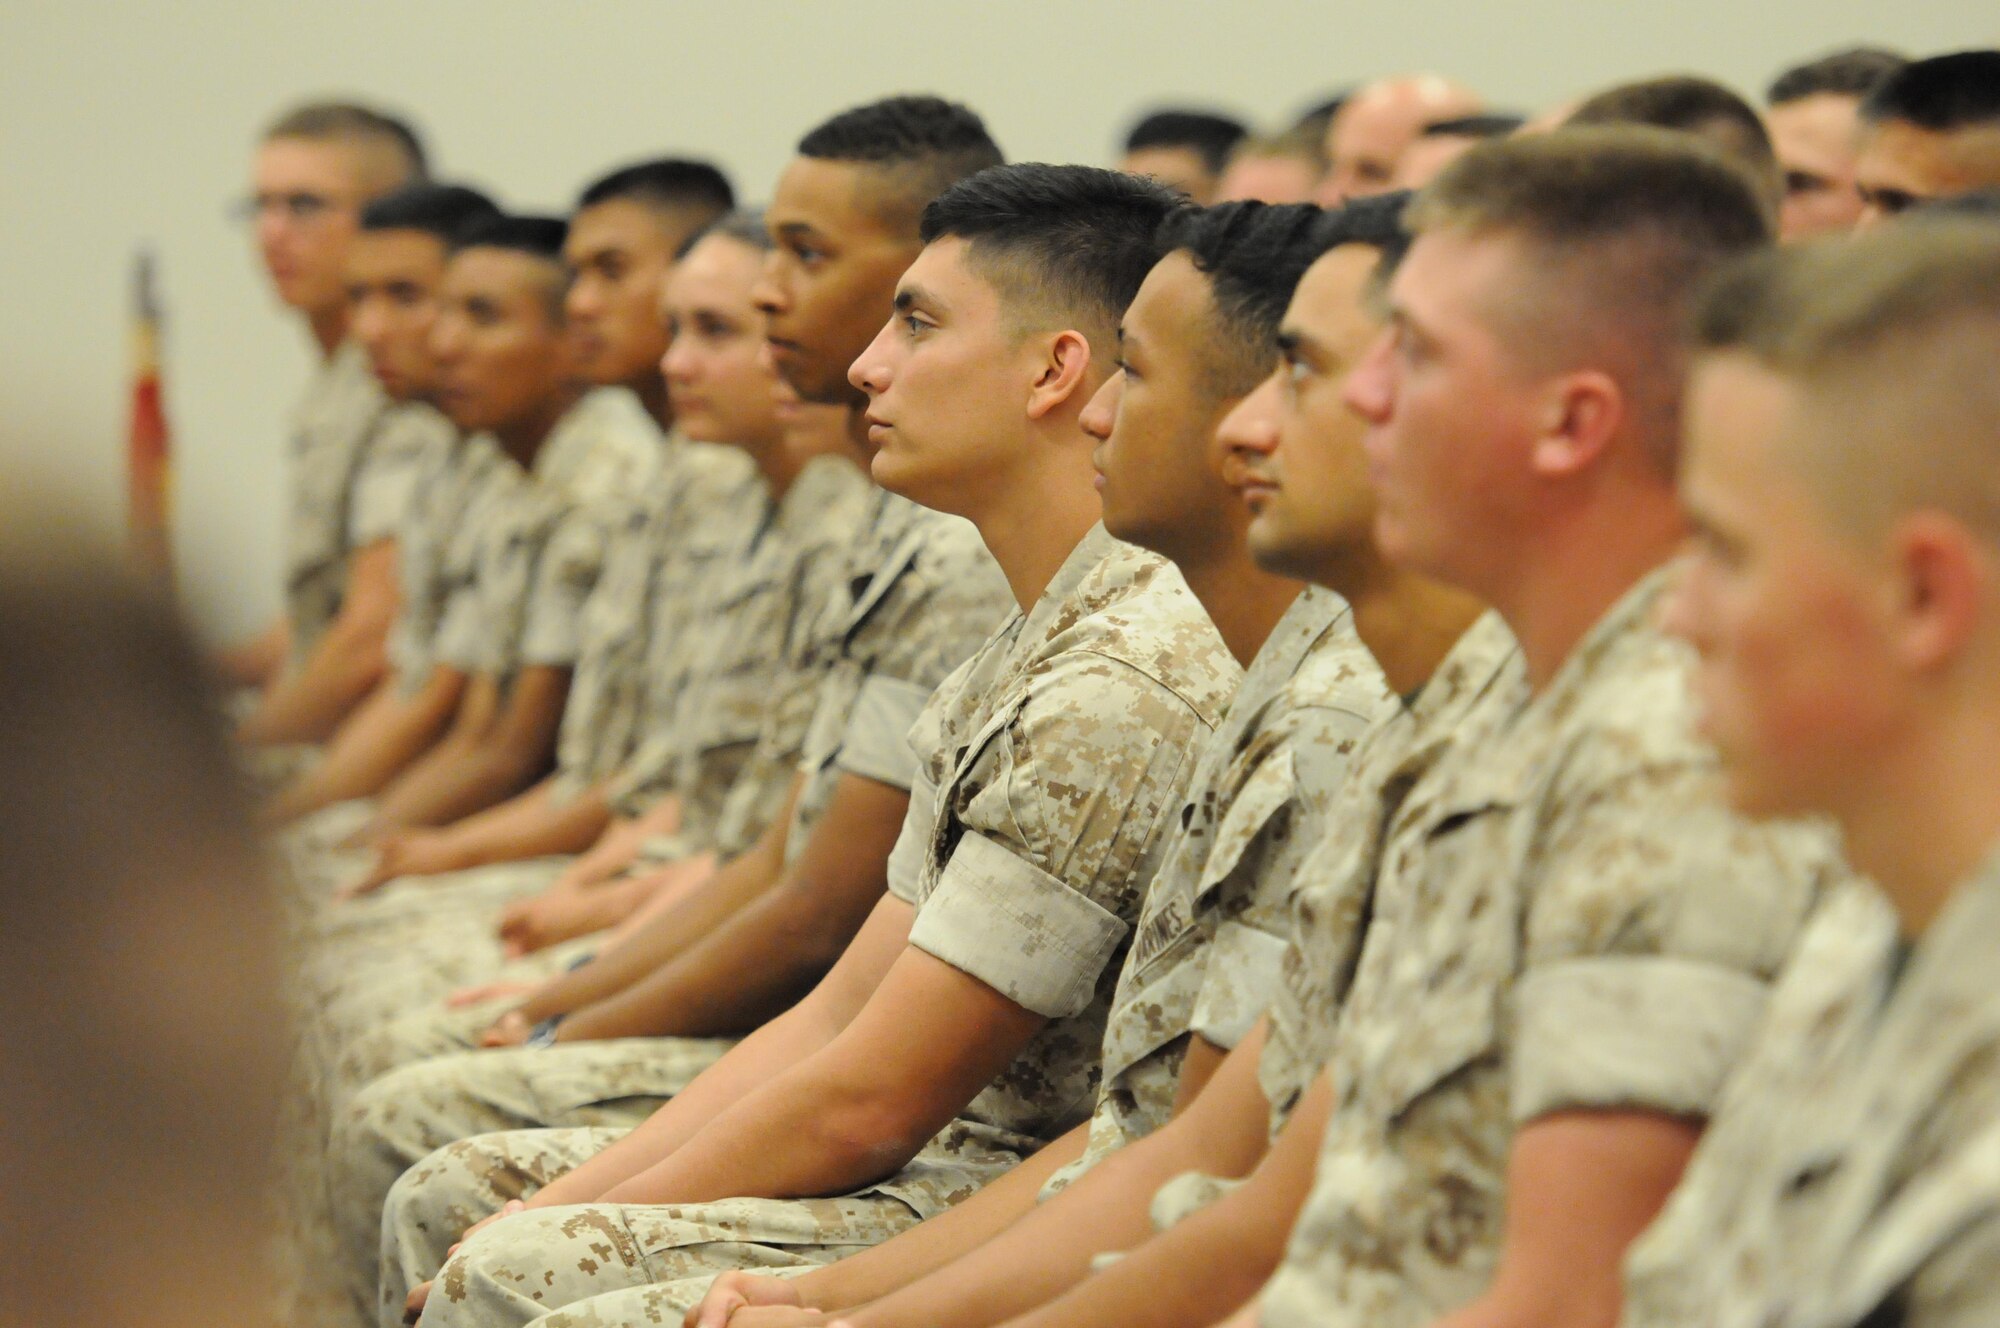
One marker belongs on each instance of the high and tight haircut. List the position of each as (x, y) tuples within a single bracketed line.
[(540, 238), (695, 191), (351, 122), (1621, 224), (745, 226), (1208, 134), (1066, 246), (1941, 94), (1298, 144), (1376, 221), (1492, 124), (1691, 105), (442, 210), (1853, 72), (1890, 336), (923, 145), (1253, 255)]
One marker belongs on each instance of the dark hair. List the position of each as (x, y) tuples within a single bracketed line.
[(352, 121), (744, 227), (1691, 105), (1376, 221), (1854, 72), (1622, 224), (541, 237), (1981, 204), (1942, 93), (1073, 242), (1491, 125), (669, 184), (1208, 134), (443, 210), (924, 144), (1253, 255)]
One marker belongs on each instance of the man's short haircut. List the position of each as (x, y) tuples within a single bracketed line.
[(745, 226), (1253, 255), (922, 146), (351, 122), (1621, 225), (1295, 143), (1315, 118), (1853, 72), (1207, 134), (1941, 94), (442, 210), (537, 237), (1493, 124), (691, 193), (1890, 336), (1066, 246), (1376, 221), (1691, 105)]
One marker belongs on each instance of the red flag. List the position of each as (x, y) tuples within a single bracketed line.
[(148, 452)]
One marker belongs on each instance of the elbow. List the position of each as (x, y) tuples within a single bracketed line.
[(865, 1139)]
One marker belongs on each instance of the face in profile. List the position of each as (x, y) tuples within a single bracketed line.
[(1302, 472), (393, 278), (1815, 140), (1903, 164), (1794, 680), (502, 352), (1158, 462), (1450, 414), (717, 381), (946, 382), (308, 198), (831, 274), (618, 256)]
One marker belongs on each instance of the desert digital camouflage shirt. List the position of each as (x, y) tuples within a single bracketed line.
[(1051, 769), (1565, 917), (604, 449), (920, 595), (692, 527), (1204, 954), (702, 714), (355, 460), (1851, 1175), (438, 544)]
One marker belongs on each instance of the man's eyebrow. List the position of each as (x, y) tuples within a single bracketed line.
[(1295, 344), (795, 230), (913, 295)]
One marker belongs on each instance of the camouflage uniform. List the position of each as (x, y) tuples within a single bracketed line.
[(1565, 916), (1204, 953), (1050, 768), (1852, 1172)]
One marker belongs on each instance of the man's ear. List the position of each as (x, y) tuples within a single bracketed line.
[(1581, 414), (1943, 588), (1063, 373)]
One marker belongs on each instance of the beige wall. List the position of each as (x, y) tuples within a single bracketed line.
[(129, 122)]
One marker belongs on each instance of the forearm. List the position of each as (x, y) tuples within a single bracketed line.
[(254, 662), (930, 1245), (308, 704), (669, 933), (533, 824), (753, 1063), (456, 780), (378, 742)]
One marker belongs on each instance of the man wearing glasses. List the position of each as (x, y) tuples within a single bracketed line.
[(315, 169)]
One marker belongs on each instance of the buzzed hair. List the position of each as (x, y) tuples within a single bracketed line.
[(1208, 134), (1300, 144), (1253, 255), (745, 226), (1853, 72), (540, 238), (1941, 94), (442, 210), (1692, 105), (1890, 335), (687, 193), (1064, 245), (351, 122), (920, 145), (1623, 224), (1493, 124)]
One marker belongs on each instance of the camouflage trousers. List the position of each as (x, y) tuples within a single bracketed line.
[(634, 1259), (403, 1117)]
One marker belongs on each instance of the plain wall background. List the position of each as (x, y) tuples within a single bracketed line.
[(122, 123)]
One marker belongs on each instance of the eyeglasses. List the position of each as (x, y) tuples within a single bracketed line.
[(300, 206)]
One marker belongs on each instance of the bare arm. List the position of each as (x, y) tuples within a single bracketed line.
[(755, 1063), (770, 952), (376, 743), (481, 767), (1581, 1186), (1049, 1250), (308, 704), (255, 662)]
